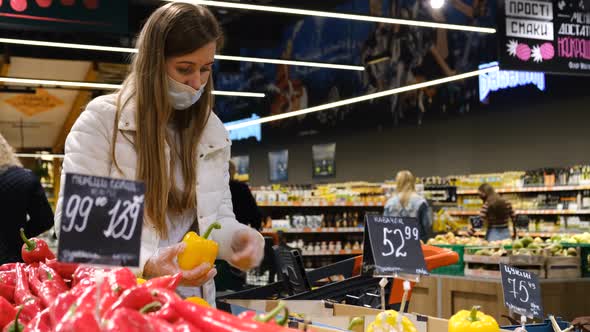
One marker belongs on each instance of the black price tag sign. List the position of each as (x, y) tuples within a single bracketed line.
[(476, 222), (101, 221), (392, 247), (522, 292)]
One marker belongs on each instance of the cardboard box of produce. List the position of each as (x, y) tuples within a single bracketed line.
[(330, 317)]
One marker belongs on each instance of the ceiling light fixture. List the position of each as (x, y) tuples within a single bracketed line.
[(218, 56), (105, 86), (354, 17), (363, 98), (39, 155)]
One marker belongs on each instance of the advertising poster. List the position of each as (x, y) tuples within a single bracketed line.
[(242, 168), (278, 165), (547, 36), (324, 160)]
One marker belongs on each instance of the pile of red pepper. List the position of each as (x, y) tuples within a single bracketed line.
[(45, 295)]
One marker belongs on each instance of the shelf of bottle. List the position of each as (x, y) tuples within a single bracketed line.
[(527, 212), (322, 204), (509, 190), (316, 230), (333, 253), (531, 234)]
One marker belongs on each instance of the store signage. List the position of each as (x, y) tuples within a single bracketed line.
[(33, 104), (545, 36), (504, 79), (101, 221), (70, 15), (324, 160), (522, 291), (392, 247)]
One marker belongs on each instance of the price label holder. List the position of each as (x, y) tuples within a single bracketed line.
[(101, 221), (392, 248), (476, 222), (522, 292)]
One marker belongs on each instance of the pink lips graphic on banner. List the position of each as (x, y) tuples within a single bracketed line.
[(524, 52)]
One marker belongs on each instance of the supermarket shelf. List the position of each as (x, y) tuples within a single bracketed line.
[(521, 234), (335, 253), (528, 189), (321, 204), (317, 230), (529, 212)]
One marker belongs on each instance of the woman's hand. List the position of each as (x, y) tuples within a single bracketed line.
[(164, 263), (248, 248)]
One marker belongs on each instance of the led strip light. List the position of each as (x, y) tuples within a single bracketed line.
[(105, 86), (39, 155), (353, 17), (218, 57), (363, 98)]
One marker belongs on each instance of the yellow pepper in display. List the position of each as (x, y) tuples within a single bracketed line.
[(387, 322), (141, 281), (198, 249), (197, 300), (472, 321)]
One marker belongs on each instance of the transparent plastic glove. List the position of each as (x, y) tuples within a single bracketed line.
[(164, 263), (248, 249)]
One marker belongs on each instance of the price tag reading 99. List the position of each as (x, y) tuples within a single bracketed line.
[(101, 221), (522, 293), (392, 247)]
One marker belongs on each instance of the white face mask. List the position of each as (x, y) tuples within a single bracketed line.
[(183, 96)]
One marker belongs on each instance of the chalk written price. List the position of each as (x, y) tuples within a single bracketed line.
[(410, 233)]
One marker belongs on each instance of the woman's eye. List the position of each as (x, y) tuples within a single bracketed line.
[(184, 71), (205, 69)]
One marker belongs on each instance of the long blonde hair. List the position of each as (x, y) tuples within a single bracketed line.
[(405, 186), (7, 157), (174, 29)]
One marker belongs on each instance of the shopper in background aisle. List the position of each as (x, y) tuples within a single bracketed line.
[(159, 129), (495, 213), (245, 207), (407, 203), (23, 204)]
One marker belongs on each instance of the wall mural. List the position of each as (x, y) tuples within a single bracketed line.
[(393, 55)]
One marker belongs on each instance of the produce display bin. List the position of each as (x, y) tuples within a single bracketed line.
[(457, 269), (542, 327), (584, 255)]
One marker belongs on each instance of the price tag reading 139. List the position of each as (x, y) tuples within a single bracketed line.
[(392, 247), (522, 292), (101, 221)]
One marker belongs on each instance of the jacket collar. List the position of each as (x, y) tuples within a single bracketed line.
[(214, 137)]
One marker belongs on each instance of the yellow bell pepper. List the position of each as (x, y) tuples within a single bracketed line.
[(141, 281), (197, 300), (386, 321), (472, 321), (198, 249)]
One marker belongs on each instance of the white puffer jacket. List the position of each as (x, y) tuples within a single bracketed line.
[(87, 151)]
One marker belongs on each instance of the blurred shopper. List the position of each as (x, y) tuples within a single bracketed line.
[(23, 204), (245, 207), (495, 213), (407, 203)]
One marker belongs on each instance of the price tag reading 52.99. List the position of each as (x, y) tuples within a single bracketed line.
[(393, 244), (101, 221)]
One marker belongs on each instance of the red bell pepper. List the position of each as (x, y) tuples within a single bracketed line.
[(168, 282), (268, 317), (16, 325), (34, 249), (47, 291), (7, 267), (126, 320), (159, 325), (8, 277), (23, 296), (7, 312), (7, 292), (134, 298), (183, 326), (209, 319), (65, 270), (48, 274), (121, 280), (80, 320), (60, 307), (83, 273), (166, 312), (41, 323)]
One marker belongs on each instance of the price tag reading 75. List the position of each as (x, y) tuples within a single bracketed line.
[(392, 247), (522, 293), (101, 221)]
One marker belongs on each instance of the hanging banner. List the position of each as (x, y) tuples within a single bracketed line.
[(33, 104), (545, 36), (242, 164), (324, 160), (278, 165)]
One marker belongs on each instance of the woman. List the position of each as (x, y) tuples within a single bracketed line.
[(495, 213), (23, 204), (159, 129), (407, 203)]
